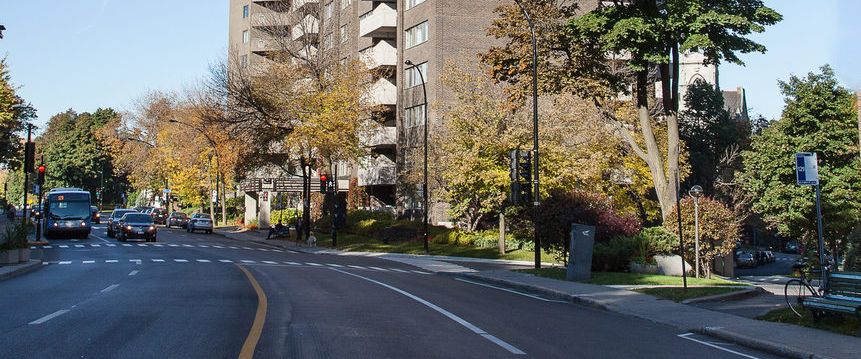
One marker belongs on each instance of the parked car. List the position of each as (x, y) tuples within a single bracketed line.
[(137, 225), (97, 216), (114, 220), (745, 260), (769, 256), (199, 222), (177, 219), (159, 215)]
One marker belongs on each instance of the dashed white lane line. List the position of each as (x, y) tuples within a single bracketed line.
[(270, 262), (158, 245), (225, 261), (398, 270), (136, 261), (141, 245), (111, 261), (79, 246), (95, 245), (111, 245), (334, 265), (357, 267), (64, 246), (420, 272), (247, 261), (49, 247), (314, 264), (181, 260), (173, 245), (293, 252), (292, 263), (202, 246), (110, 288), (89, 262), (187, 245), (126, 245), (232, 247), (49, 317), (158, 260), (203, 260), (64, 262), (245, 248), (378, 268), (134, 272), (512, 349), (687, 336)]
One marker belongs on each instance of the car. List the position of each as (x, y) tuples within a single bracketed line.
[(159, 215), (769, 257), (137, 225), (199, 222), (36, 211), (745, 260), (97, 216), (177, 219), (114, 220)]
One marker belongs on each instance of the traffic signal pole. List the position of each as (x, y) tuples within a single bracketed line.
[(41, 182), (28, 162)]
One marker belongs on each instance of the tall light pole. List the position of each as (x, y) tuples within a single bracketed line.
[(695, 192), (425, 170)]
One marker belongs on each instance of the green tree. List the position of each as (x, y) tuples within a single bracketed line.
[(651, 34), (718, 231), (818, 117), (11, 118)]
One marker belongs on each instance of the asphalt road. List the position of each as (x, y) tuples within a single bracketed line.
[(782, 265), (205, 296)]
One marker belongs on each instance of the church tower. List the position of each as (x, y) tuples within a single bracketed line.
[(692, 68)]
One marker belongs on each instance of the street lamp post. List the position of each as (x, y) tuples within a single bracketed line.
[(695, 192), (425, 170), (25, 213)]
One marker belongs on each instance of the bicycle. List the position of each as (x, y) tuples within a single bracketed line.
[(797, 289)]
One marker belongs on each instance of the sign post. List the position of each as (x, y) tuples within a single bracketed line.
[(807, 174)]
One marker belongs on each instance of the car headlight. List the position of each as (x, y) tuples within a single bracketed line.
[(129, 227), (83, 224), (152, 228)]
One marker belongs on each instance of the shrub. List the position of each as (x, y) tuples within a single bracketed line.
[(718, 229), (287, 215), (853, 251), (252, 224), (615, 254), (659, 241)]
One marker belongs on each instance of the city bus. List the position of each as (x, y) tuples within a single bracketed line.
[(67, 213)]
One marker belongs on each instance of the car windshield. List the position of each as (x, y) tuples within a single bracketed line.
[(118, 214), (178, 214), (137, 218), (201, 216)]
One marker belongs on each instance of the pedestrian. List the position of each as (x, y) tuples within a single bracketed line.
[(298, 230), (279, 227)]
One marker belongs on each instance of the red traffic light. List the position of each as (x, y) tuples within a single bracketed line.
[(323, 178), (41, 169)]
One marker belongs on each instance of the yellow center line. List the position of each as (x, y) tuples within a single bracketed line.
[(248, 348)]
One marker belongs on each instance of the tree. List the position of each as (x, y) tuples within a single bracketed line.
[(717, 228), (627, 47), (818, 117), (11, 118)]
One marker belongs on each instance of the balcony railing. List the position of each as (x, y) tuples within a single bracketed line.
[(383, 92), (381, 54), (270, 19), (381, 137), (381, 22), (379, 171), (308, 26)]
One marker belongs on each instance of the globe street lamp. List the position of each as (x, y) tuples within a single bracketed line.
[(696, 191)]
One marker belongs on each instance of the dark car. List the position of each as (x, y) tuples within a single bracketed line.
[(199, 222), (177, 219), (36, 211), (745, 260), (97, 216), (159, 215), (114, 220), (137, 225)]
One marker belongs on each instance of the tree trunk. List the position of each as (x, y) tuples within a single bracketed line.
[(306, 200)]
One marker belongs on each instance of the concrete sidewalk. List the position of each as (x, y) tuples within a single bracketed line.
[(781, 339), (14, 270)]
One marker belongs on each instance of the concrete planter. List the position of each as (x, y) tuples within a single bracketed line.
[(23, 255), (9, 256)]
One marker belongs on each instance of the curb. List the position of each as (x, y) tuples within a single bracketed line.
[(552, 294), (22, 269), (747, 292), (758, 344)]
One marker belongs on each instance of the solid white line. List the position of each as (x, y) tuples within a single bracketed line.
[(111, 261), (444, 312), (510, 291), (203, 260), (110, 288), (49, 317), (89, 262), (686, 336), (65, 262), (134, 272), (180, 260)]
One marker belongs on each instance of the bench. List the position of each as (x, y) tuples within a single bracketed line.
[(842, 295)]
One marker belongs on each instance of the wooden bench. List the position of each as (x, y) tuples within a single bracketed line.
[(842, 295)]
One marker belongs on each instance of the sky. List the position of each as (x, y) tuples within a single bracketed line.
[(86, 54)]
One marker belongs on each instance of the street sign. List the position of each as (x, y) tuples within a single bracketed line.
[(250, 185), (166, 190), (36, 189), (806, 169)]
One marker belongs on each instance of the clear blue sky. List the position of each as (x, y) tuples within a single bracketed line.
[(85, 54)]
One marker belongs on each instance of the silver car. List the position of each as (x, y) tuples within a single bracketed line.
[(199, 222)]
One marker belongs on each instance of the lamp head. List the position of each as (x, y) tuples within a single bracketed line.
[(696, 191), (408, 63)]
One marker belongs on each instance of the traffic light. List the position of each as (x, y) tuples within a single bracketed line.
[(29, 156), (40, 176), (520, 167), (324, 183)]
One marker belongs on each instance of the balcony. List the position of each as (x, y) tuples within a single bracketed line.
[(307, 6), (382, 136), (380, 55), (270, 19), (306, 29), (384, 92), (382, 22), (376, 171)]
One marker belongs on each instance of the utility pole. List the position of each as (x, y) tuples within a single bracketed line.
[(29, 149)]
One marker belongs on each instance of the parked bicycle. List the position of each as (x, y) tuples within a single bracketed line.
[(799, 288)]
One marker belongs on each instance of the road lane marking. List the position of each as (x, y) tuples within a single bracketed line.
[(270, 262), (158, 260), (111, 245), (89, 262), (110, 288), (158, 245), (141, 245), (225, 261), (79, 246), (49, 317), (187, 245), (126, 245), (254, 334), (100, 238), (232, 247), (48, 247), (314, 264), (420, 272), (180, 260), (246, 248), (64, 246), (334, 265), (357, 267), (292, 263), (687, 336), (398, 270), (378, 268), (173, 245), (202, 246), (203, 260), (247, 261), (95, 245), (510, 291), (65, 262), (136, 261), (134, 272), (111, 261), (493, 339)]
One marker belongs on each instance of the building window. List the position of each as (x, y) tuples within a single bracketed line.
[(412, 76), (327, 41), (417, 34), (329, 10), (245, 11), (414, 116), (346, 3), (343, 33), (246, 37), (412, 3), (243, 61)]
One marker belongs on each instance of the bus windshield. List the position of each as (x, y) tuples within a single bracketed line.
[(69, 206)]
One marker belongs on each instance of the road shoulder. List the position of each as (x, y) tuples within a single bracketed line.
[(14, 270)]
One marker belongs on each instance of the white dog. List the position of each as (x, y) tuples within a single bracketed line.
[(312, 241)]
